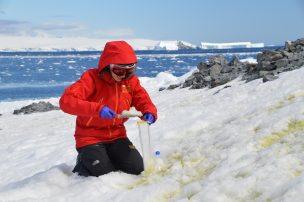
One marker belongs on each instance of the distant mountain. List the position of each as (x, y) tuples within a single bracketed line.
[(26, 43), (173, 45), (206, 45)]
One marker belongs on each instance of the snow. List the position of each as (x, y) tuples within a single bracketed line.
[(242, 143), (206, 45), (26, 43)]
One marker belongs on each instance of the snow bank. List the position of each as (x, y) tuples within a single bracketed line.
[(242, 143)]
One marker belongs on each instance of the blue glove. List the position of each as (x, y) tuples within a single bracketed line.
[(149, 117), (106, 112)]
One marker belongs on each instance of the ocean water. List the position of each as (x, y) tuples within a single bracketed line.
[(35, 75)]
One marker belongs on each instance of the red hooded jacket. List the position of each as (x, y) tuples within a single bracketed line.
[(96, 88)]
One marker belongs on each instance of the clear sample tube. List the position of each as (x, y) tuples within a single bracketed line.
[(144, 135)]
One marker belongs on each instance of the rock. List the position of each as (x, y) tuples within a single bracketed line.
[(162, 88), (215, 70), (269, 77), (173, 86), (202, 67), (299, 48), (287, 54), (271, 55), (266, 66), (297, 63), (224, 78), (217, 59), (226, 69), (36, 107), (207, 79), (198, 86), (300, 41), (282, 63), (235, 61)]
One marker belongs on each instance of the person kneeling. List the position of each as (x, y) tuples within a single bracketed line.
[(96, 98)]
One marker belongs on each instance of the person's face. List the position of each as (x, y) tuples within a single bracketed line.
[(120, 71)]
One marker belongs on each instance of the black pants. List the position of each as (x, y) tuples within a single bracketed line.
[(102, 158)]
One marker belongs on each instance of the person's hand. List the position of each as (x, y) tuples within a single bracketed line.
[(149, 118), (106, 112)]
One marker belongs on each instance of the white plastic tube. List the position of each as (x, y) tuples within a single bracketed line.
[(144, 135)]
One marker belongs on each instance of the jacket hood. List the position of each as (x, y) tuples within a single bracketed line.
[(116, 52)]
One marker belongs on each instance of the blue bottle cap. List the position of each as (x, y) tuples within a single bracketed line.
[(157, 153)]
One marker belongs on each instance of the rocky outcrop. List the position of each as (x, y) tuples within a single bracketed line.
[(270, 63), (36, 107)]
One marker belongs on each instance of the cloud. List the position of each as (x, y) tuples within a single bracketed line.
[(121, 32), (58, 27), (14, 27), (11, 22)]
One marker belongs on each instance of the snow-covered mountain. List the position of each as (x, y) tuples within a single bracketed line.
[(207, 45), (242, 143), (24, 43), (173, 45)]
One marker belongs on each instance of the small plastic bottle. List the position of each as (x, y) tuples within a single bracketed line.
[(158, 161)]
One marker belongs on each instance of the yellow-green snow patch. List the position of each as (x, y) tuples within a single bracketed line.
[(286, 101), (292, 127), (192, 168)]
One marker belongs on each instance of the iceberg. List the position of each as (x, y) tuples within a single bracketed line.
[(174, 45), (207, 45)]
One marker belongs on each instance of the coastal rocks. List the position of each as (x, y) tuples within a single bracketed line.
[(36, 107), (218, 71), (272, 63)]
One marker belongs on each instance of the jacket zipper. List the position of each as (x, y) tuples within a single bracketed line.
[(116, 108), (91, 118), (116, 102)]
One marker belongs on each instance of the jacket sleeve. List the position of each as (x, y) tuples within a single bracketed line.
[(74, 99), (141, 100)]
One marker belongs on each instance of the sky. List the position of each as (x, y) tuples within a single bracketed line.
[(218, 21)]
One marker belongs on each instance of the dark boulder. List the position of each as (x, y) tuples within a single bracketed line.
[(36, 107)]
